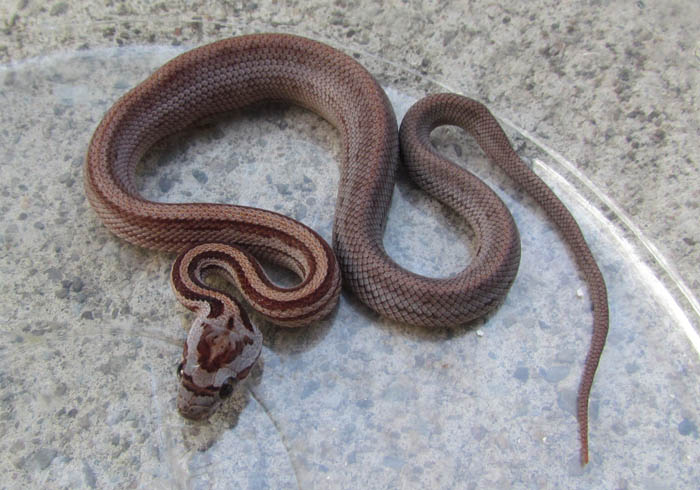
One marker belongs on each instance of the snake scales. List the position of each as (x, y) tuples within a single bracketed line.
[(223, 344)]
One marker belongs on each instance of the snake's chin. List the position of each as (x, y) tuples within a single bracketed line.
[(196, 415), (194, 407)]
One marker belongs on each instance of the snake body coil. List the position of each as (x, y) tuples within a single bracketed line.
[(238, 72)]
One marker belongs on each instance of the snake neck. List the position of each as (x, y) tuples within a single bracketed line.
[(219, 352), (222, 344)]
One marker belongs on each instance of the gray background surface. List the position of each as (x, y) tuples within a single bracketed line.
[(610, 85), (604, 94)]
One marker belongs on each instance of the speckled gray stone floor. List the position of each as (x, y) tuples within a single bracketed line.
[(600, 100)]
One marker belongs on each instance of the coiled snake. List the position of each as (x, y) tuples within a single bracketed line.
[(222, 344)]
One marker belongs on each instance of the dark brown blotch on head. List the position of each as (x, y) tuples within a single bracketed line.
[(215, 349)]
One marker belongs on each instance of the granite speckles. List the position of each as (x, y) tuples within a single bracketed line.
[(355, 401)]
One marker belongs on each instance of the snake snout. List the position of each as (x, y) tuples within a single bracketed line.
[(195, 406)]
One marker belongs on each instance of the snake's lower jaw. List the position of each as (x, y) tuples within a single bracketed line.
[(196, 407)]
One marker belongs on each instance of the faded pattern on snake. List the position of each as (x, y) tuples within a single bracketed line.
[(223, 344)]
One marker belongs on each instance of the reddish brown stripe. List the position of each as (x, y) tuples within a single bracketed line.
[(250, 292), (216, 307), (237, 72), (244, 320)]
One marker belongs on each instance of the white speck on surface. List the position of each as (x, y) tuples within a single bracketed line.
[(387, 417)]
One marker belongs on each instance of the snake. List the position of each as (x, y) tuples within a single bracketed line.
[(230, 240)]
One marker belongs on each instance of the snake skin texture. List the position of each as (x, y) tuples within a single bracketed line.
[(243, 71)]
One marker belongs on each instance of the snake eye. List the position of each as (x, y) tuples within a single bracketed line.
[(180, 371), (226, 390)]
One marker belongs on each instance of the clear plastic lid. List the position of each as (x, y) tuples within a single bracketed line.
[(92, 334)]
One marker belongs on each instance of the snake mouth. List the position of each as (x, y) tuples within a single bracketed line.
[(195, 412), (196, 405)]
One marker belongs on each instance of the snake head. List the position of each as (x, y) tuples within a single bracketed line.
[(218, 353)]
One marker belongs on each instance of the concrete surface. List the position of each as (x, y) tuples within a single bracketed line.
[(600, 99)]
